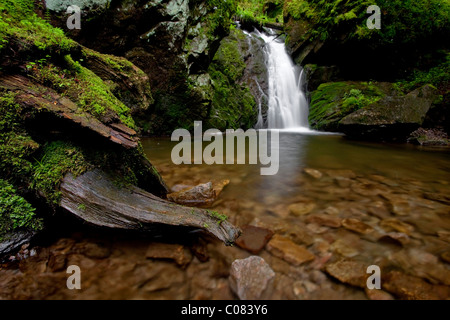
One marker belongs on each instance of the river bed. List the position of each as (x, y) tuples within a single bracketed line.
[(349, 204)]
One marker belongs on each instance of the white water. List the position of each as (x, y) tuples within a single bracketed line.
[(288, 107)]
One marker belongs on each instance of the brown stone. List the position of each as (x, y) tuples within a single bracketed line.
[(254, 239), (287, 250), (378, 294), (349, 271), (178, 253), (356, 226), (396, 225), (325, 220), (57, 262), (412, 288), (446, 256), (201, 195), (301, 208)]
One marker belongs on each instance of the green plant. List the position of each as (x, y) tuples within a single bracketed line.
[(15, 211)]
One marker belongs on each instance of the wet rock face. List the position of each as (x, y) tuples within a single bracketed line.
[(172, 41)]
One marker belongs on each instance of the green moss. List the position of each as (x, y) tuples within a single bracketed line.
[(57, 159), (15, 211), (82, 86), (216, 215), (233, 105), (17, 20), (256, 11)]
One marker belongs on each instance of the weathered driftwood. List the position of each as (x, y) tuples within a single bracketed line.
[(95, 198)]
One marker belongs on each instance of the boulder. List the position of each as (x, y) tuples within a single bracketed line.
[(251, 278), (390, 118)]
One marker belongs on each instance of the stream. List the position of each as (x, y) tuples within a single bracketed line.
[(328, 193)]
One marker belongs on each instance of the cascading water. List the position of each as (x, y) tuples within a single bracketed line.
[(288, 107)]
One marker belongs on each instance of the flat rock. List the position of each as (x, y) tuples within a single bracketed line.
[(396, 225), (445, 256), (201, 195), (289, 251), (301, 208), (176, 252), (254, 239), (356, 226), (412, 288), (324, 220), (251, 278), (349, 271), (344, 249)]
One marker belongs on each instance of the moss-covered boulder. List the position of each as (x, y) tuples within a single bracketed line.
[(390, 118), (332, 101)]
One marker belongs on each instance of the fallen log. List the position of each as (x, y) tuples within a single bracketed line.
[(97, 199)]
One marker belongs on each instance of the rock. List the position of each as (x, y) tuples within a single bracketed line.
[(444, 235), (201, 195), (429, 137), (316, 174), (344, 249), (219, 185), (396, 225), (287, 250), (445, 256), (439, 197), (412, 288), (356, 226), (390, 118), (397, 238), (253, 239), (251, 278), (12, 242), (57, 262), (325, 220), (349, 271), (301, 208), (181, 187), (378, 294), (178, 253)]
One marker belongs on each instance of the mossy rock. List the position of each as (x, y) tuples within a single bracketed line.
[(332, 101)]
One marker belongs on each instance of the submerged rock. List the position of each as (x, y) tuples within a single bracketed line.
[(251, 278), (289, 251), (349, 271), (254, 239), (178, 253)]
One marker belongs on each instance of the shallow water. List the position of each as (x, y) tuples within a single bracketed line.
[(357, 202)]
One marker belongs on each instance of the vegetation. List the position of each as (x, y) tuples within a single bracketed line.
[(260, 12), (15, 212), (403, 21), (233, 105)]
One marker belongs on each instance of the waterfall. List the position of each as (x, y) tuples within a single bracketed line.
[(288, 107)]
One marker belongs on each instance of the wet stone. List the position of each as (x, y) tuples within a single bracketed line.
[(253, 239), (324, 220), (301, 208), (178, 253), (397, 238), (344, 249), (445, 256), (396, 225), (349, 271), (356, 226), (251, 278), (412, 288), (289, 251)]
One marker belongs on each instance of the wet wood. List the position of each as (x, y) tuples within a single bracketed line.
[(95, 198)]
